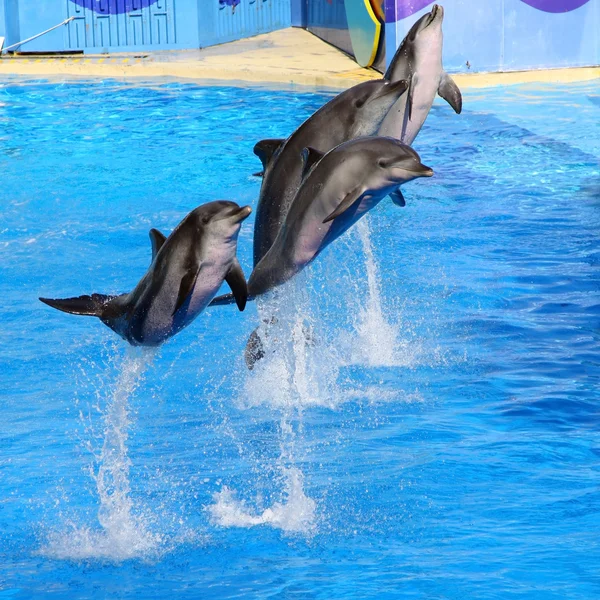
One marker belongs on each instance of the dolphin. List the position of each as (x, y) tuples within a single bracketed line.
[(186, 272), (336, 192), (356, 112), (418, 60)]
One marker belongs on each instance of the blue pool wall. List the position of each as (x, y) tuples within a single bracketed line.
[(507, 35), (138, 25), (495, 35), (483, 35)]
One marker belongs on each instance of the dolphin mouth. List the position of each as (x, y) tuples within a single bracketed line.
[(436, 14), (239, 214), (423, 171), (419, 171)]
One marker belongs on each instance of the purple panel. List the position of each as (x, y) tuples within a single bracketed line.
[(114, 7), (395, 10), (556, 6), (403, 9)]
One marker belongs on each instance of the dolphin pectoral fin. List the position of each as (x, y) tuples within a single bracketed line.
[(185, 288), (310, 157), (157, 239), (265, 149), (223, 300), (449, 91), (346, 203), (237, 282), (409, 98), (398, 198), (396, 88), (407, 116), (92, 306)]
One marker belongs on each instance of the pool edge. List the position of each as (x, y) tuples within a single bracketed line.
[(286, 58)]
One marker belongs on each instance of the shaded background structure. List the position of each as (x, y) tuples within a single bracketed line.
[(496, 35)]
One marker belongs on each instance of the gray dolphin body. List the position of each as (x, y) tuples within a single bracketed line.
[(346, 183), (186, 272), (418, 60), (356, 112)]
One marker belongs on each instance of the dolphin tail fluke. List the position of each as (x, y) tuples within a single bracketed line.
[(93, 305), (449, 91)]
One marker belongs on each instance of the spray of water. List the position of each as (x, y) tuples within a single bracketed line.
[(378, 338), (123, 532), (299, 368), (295, 513), (296, 372), (303, 360)]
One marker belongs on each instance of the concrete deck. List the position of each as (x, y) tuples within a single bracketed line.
[(288, 57)]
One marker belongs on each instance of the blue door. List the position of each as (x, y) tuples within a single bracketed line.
[(227, 20), (138, 25), (131, 25)]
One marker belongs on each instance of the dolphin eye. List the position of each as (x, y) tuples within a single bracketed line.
[(205, 219), (359, 103), (382, 163)]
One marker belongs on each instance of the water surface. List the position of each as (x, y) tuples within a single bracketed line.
[(426, 424)]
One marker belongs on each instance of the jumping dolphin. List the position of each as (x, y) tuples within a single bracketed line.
[(346, 183), (356, 112), (337, 191), (418, 60), (186, 272)]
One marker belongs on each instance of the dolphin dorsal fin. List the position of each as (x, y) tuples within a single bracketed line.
[(346, 203), (157, 239), (237, 282), (310, 157), (265, 149), (449, 91)]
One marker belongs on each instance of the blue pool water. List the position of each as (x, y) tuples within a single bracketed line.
[(437, 435)]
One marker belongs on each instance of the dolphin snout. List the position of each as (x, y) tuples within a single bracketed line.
[(437, 12), (415, 166), (242, 213), (236, 213)]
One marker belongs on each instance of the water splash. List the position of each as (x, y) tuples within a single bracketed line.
[(308, 351), (296, 513), (300, 368), (123, 531), (379, 343)]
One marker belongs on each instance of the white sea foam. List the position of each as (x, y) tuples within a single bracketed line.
[(296, 513)]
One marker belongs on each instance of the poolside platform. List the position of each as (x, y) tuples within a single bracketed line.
[(288, 57)]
